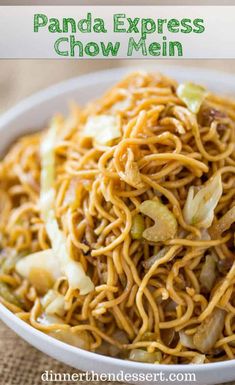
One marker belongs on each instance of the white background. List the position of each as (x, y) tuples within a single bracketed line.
[(17, 39)]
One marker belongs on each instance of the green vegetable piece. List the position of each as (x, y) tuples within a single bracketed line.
[(137, 227), (192, 95)]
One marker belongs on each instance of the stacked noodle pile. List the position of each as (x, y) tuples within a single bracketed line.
[(116, 225)]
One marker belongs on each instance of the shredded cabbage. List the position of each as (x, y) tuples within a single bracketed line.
[(53, 303), (200, 205), (103, 128), (44, 259), (73, 270), (192, 95)]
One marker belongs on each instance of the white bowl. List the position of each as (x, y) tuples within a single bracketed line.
[(32, 114)]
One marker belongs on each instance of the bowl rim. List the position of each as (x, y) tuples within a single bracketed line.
[(61, 88), (117, 362), (71, 84)]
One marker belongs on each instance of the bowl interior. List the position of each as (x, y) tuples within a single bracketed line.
[(34, 113)]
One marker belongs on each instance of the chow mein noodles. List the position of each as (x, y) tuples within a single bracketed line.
[(117, 224)]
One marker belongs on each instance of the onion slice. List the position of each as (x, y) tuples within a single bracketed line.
[(208, 273), (186, 340), (209, 331)]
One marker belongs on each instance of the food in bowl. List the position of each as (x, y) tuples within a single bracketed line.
[(117, 224)]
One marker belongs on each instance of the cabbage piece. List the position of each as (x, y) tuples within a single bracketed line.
[(8, 259), (198, 359), (209, 331), (53, 303), (47, 320), (186, 340), (165, 225), (192, 95), (73, 270), (47, 192), (122, 105), (140, 355), (103, 128), (44, 259), (208, 273), (57, 306), (199, 206), (79, 340), (42, 269), (48, 298), (41, 280)]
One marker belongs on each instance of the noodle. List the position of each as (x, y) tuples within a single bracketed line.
[(142, 292)]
